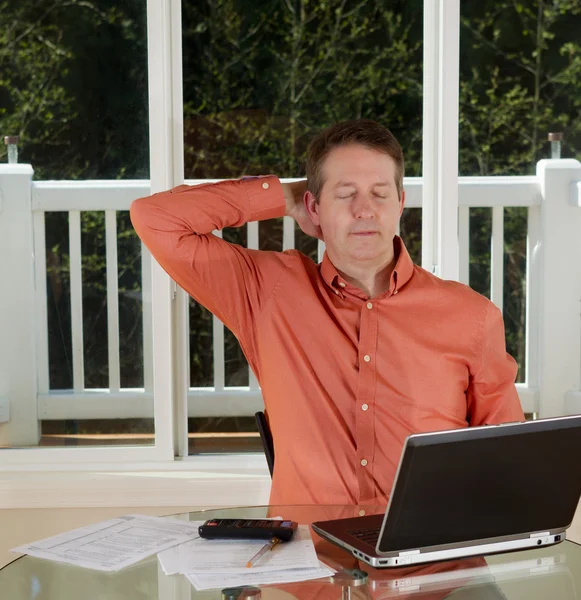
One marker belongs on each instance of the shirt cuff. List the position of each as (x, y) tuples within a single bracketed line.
[(266, 198)]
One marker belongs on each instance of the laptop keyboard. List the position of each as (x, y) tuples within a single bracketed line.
[(369, 536)]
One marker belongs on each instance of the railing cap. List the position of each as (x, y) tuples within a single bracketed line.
[(16, 169)]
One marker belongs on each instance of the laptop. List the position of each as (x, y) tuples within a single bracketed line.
[(472, 491)]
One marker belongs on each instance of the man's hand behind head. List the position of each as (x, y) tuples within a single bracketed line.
[(294, 194)]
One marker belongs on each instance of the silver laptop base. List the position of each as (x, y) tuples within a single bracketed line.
[(414, 557)]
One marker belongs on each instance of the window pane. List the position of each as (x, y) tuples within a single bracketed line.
[(519, 81), (74, 87), (260, 80)]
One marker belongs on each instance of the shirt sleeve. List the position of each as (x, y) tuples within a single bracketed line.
[(177, 226), (492, 397)]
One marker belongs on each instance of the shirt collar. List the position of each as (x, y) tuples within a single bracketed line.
[(402, 272)]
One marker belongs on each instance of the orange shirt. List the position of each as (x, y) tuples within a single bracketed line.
[(344, 379)]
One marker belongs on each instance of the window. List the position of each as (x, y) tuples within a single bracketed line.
[(74, 88), (519, 81), (260, 79)]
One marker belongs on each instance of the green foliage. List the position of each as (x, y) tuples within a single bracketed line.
[(520, 79), (262, 81), (73, 86)]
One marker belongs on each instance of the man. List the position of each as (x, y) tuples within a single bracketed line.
[(356, 353)]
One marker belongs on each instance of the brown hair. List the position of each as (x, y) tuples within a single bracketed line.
[(364, 132)]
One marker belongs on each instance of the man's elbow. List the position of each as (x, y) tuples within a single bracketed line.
[(138, 211)]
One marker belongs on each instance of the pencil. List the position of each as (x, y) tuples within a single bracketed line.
[(268, 546)]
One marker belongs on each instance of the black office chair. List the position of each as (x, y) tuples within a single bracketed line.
[(266, 437)]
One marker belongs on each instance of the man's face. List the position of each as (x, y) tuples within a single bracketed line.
[(359, 208)]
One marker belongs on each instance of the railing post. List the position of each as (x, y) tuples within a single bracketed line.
[(19, 424), (559, 323)]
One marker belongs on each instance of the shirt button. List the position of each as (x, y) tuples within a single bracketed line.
[(367, 358), (342, 284), (364, 407), (394, 293), (336, 292), (265, 186), (369, 305), (363, 463), (361, 513)]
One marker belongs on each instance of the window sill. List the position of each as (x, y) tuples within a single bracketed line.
[(219, 480)]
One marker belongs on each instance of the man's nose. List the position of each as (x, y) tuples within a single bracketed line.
[(363, 207)]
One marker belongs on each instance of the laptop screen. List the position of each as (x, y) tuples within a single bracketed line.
[(483, 483)]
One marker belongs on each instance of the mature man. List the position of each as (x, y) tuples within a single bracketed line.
[(356, 353)]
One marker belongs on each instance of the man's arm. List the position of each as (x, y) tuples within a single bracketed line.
[(492, 396), (234, 283)]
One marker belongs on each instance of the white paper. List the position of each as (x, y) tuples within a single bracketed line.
[(170, 559), (206, 581), (114, 544), (231, 556)]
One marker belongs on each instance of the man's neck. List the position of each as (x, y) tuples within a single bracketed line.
[(372, 282)]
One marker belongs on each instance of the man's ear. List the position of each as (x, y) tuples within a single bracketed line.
[(401, 202), (312, 208)]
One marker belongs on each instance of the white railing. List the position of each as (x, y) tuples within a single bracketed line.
[(496, 193), (113, 196), (79, 403)]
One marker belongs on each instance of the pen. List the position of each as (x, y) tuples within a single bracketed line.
[(268, 546)]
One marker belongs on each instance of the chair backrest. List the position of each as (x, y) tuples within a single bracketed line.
[(266, 437)]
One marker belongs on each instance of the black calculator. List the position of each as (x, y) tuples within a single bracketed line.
[(248, 529)]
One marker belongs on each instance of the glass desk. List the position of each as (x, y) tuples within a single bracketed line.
[(549, 573)]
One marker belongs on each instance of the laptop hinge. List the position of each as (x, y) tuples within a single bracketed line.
[(542, 534), (409, 552)]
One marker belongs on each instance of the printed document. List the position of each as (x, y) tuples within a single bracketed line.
[(114, 544)]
